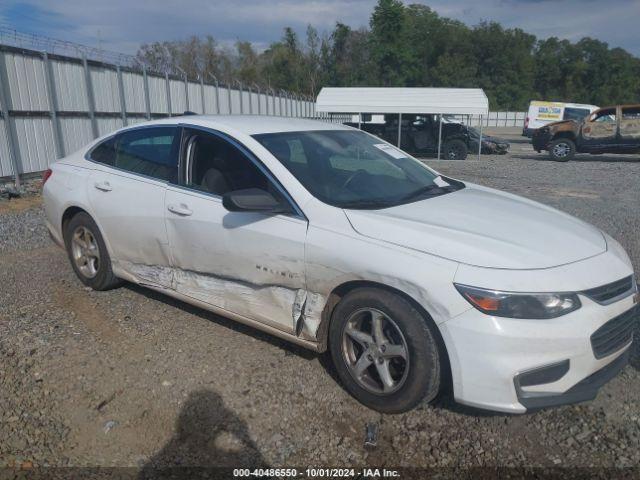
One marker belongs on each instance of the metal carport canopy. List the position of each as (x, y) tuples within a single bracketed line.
[(462, 101)]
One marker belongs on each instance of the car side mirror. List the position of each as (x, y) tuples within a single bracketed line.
[(252, 200)]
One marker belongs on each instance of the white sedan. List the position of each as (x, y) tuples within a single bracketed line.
[(330, 238)]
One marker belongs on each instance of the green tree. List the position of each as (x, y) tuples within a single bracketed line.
[(389, 52), (413, 46)]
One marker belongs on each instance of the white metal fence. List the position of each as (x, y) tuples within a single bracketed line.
[(52, 105), (495, 119)]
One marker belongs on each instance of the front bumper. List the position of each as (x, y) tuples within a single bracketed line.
[(489, 355), (582, 391), (540, 139)]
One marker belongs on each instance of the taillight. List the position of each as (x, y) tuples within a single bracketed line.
[(46, 175)]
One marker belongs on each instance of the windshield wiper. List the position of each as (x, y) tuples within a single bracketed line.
[(428, 191), (367, 204)]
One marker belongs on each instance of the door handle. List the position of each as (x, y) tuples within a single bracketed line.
[(104, 186), (181, 210)]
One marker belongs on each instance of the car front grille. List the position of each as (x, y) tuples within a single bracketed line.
[(611, 291), (614, 334)]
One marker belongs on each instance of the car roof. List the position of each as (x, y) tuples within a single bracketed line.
[(252, 124), (581, 105), (625, 105)]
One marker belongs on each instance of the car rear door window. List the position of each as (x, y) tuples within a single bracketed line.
[(630, 113), (152, 152)]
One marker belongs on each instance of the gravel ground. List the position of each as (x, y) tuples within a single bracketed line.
[(131, 378)]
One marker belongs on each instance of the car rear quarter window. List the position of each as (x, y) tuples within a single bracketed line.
[(105, 152), (152, 152)]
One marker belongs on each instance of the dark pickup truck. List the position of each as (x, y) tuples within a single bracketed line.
[(608, 130), (419, 136)]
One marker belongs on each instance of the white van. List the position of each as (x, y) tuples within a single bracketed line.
[(540, 113)]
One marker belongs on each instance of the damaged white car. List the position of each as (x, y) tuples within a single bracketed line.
[(330, 238)]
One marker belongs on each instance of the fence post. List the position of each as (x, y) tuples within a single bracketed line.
[(147, 97), (53, 107), (204, 110), (123, 105), (186, 89), (12, 138), (241, 99), (90, 97), (217, 93), (166, 78), (259, 99)]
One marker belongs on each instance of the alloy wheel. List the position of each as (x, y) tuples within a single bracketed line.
[(85, 251), (375, 351), (561, 150)]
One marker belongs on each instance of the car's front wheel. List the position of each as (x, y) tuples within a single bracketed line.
[(562, 149), (384, 350), (88, 253)]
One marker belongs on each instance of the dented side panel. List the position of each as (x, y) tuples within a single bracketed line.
[(425, 278), (247, 263)]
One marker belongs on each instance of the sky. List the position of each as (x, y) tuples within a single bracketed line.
[(122, 25)]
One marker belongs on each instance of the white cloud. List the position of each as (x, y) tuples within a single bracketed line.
[(123, 24)]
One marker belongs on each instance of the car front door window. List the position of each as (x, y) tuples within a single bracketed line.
[(601, 127)]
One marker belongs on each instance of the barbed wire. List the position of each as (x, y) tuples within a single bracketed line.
[(13, 37)]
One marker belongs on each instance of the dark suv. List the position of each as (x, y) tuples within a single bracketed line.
[(607, 130), (419, 136)]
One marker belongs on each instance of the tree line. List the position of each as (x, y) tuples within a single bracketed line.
[(413, 46)]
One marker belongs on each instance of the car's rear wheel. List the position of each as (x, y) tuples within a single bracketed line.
[(384, 350), (455, 150), (88, 253), (562, 149)]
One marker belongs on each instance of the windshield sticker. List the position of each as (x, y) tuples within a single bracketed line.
[(439, 181), (389, 150)]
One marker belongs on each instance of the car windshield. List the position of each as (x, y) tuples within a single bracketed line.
[(352, 169), (576, 114)]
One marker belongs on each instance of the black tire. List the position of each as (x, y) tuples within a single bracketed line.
[(455, 150), (422, 378), (635, 348), (562, 149), (104, 279)]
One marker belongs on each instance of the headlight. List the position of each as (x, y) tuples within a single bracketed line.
[(520, 305)]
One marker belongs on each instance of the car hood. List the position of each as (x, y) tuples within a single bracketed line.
[(490, 139), (483, 227), (562, 123)]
